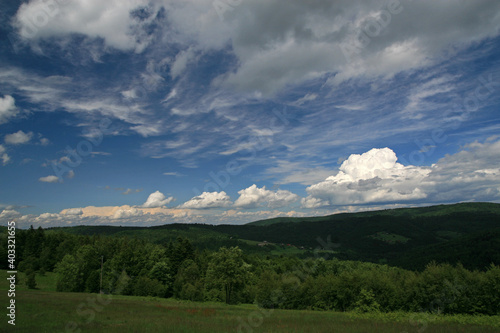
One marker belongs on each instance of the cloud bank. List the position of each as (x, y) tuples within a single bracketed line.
[(277, 45)]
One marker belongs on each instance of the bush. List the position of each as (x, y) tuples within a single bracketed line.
[(30, 279), (366, 302)]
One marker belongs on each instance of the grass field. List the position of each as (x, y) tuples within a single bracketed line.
[(48, 311)]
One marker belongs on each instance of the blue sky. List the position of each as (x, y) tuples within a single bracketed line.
[(140, 112)]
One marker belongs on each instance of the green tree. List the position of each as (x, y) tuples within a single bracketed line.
[(30, 279), (93, 282), (227, 270), (491, 289), (87, 260), (161, 271), (145, 286), (366, 302), (269, 294), (187, 283), (179, 252), (68, 275)]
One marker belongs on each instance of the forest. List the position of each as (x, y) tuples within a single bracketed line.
[(177, 269)]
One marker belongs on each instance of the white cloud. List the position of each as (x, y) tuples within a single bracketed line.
[(312, 202), (307, 98), (171, 95), (9, 214), (208, 200), (8, 108), (110, 20), (374, 176), (5, 159), (72, 211), (44, 141), (471, 174), (181, 61), (253, 197), (136, 216), (130, 191), (304, 41), (308, 40), (3, 155), (173, 173), (49, 179), (71, 174), (18, 138), (125, 213), (157, 199)]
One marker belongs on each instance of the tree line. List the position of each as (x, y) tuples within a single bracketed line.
[(176, 269)]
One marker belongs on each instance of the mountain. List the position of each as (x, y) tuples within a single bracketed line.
[(408, 237)]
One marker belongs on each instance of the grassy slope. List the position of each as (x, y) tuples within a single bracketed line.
[(46, 311)]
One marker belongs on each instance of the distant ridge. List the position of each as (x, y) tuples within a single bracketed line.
[(467, 233), (436, 210)]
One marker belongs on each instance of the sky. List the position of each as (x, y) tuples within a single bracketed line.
[(147, 112)]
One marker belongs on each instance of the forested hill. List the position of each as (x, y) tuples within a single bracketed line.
[(438, 210), (468, 233)]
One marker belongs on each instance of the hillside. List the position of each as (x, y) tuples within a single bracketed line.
[(408, 237), (438, 210)]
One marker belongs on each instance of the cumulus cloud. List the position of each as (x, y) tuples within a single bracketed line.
[(18, 138), (157, 199), (49, 179), (8, 108), (208, 200), (253, 196), (376, 177)]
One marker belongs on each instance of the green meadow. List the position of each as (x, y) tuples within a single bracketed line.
[(44, 310)]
